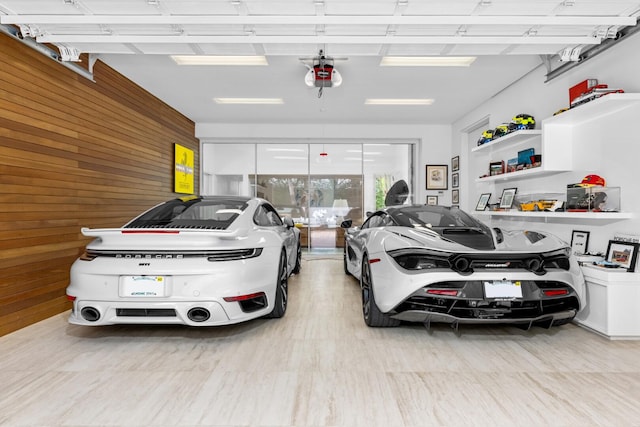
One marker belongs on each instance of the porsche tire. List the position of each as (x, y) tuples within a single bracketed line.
[(298, 266), (373, 317), (282, 289)]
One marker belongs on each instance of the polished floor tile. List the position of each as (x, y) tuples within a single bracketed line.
[(318, 366)]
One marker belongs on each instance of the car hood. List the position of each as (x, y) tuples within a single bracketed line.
[(524, 241)]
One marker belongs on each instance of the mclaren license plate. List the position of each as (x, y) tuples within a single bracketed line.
[(502, 289), (142, 286)]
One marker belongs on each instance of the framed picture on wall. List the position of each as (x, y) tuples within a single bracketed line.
[(455, 180), (455, 163), (579, 242), (455, 197), (437, 177), (432, 200), (623, 253)]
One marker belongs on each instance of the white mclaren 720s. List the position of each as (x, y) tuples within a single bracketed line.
[(423, 263), (198, 261)]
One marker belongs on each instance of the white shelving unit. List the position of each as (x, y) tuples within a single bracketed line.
[(565, 143)]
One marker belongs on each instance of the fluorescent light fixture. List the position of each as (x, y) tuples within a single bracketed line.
[(287, 150), (219, 60), (398, 101), (259, 101), (427, 61)]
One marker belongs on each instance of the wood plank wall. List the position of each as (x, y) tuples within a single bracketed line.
[(73, 153)]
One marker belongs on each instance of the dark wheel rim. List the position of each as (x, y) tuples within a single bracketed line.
[(299, 258), (366, 289), (283, 283)]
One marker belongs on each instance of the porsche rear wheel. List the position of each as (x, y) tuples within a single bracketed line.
[(372, 315), (282, 289), (296, 268)]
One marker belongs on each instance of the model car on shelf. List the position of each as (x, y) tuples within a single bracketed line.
[(198, 261), (422, 263)]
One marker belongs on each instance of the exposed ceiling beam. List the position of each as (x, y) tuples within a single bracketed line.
[(407, 40), (317, 20)]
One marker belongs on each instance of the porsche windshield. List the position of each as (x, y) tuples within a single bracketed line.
[(205, 213)]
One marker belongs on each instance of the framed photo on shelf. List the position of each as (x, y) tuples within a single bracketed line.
[(579, 242), (432, 200), (437, 177), (508, 195), (483, 201), (455, 180), (622, 253), (455, 163), (455, 197)]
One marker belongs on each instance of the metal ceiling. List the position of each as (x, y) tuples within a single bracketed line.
[(135, 37)]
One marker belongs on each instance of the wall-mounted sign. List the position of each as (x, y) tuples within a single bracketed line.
[(183, 175)]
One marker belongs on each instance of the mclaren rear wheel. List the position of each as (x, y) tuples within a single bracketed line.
[(372, 315), (344, 261)]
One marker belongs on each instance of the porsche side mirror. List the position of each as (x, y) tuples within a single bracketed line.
[(346, 223), (288, 222)]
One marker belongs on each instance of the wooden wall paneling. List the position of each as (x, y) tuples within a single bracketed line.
[(73, 153)]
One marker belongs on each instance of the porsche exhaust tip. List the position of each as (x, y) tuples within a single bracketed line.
[(198, 314), (90, 314)]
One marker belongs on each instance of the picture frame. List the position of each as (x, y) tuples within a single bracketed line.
[(579, 242), (432, 200), (455, 197), (437, 177), (483, 201), (508, 195), (455, 163), (455, 180), (623, 253)]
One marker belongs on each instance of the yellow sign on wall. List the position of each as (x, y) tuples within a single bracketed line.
[(183, 176)]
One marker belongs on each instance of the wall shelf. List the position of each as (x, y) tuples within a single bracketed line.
[(508, 141), (601, 107), (550, 216), (522, 174)]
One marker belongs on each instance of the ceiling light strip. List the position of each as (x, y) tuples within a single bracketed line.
[(256, 101), (456, 20), (398, 101)]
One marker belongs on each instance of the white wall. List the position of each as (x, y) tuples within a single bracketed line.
[(618, 144), (433, 141)]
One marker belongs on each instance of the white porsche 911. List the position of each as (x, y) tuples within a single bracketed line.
[(428, 264), (198, 261)]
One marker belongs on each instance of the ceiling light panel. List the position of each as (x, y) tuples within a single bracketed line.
[(255, 101), (219, 60), (398, 101), (427, 61)]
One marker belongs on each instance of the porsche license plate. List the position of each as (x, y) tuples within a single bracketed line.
[(502, 289), (142, 286)]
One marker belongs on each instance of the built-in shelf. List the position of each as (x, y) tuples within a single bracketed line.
[(522, 174), (511, 140), (603, 106), (584, 216)]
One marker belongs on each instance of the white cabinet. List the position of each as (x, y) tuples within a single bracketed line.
[(613, 298)]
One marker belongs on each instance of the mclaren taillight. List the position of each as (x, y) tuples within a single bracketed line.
[(555, 292), (419, 260), (234, 254), (445, 292)]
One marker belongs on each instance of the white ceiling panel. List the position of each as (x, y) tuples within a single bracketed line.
[(136, 37)]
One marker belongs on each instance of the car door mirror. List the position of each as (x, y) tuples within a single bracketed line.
[(346, 223), (288, 222)]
